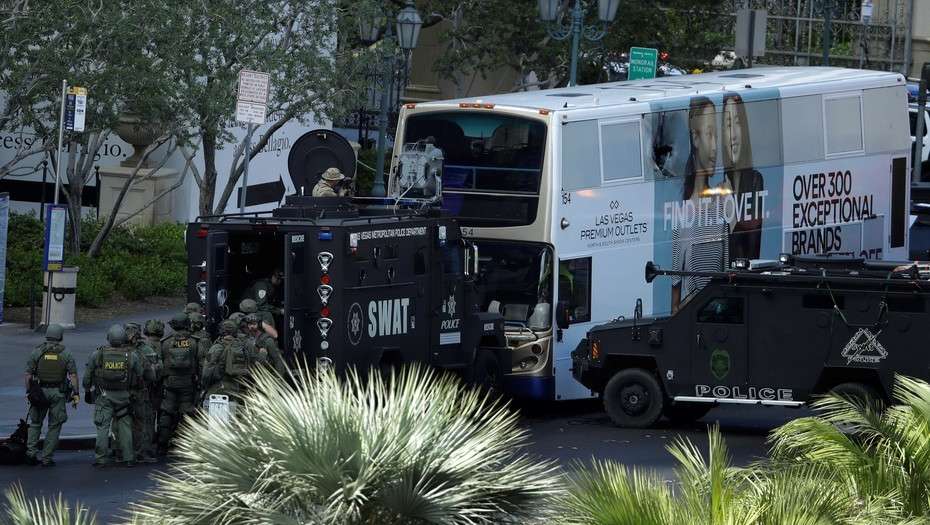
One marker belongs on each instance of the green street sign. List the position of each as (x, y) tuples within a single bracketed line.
[(643, 62)]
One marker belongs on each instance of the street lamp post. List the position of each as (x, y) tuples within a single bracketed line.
[(408, 23), (828, 7), (560, 29)]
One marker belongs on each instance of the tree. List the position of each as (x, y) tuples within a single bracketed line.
[(486, 36), (106, 48), (208, 44)]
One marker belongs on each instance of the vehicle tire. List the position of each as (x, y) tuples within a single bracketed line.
[(685, 413), (633, 398), (486, 371), (858, 391)]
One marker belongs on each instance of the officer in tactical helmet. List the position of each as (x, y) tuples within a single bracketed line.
[(154, 330), (51, 380), (143, 407), (114, 371), (179, 378), (266, 350), (193, 308), (199, 333), (266, 320), (230, 363)]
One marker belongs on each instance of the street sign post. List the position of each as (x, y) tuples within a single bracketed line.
[(751, 25), (251, 109), (76, 109), (643, 62)]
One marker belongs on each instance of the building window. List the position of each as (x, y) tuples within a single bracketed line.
[(575, 289)]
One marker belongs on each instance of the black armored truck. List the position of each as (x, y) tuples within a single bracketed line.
[(775, 333), (358, 282)]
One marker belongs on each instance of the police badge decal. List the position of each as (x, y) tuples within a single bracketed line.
[(720, 363), (355, 324)]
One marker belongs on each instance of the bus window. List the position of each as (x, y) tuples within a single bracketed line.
[(843, 118), (575, 288), (622, 151), (492, 164), (516, 280)]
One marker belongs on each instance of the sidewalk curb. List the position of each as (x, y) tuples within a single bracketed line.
[(84, 442)]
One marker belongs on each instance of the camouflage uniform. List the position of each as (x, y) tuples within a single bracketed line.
[(230, 363), (143, 418), (154, 330), (200, 334), (179, 377), (51, 365), (266, 349), (114, 371)]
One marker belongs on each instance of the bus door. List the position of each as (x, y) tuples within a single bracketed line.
[(718, 348), (216, 283), (573, 320), (294, 340)]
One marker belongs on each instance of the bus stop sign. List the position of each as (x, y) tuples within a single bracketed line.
[(643, 61)]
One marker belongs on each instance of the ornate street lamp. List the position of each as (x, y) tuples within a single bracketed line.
[(560, 29), (408, 24)]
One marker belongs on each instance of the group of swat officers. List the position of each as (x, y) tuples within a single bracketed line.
[(143, 382)]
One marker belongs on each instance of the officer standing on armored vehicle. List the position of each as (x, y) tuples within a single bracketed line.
[(266, 349), (113, 371), (332, 184), (230, 363), (143, 419), (51, 376), (179, 378)]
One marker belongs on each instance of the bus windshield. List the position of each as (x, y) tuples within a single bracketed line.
[(515, 279), (492, 164)]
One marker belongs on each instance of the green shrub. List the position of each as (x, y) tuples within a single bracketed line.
[(135, 262)]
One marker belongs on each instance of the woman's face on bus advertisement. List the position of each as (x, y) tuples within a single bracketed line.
[(732, 133), (704, 138)]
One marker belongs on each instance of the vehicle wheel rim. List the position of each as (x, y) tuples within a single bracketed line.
[(634, 399)]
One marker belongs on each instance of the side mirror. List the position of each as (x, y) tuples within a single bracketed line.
[(562, 315), (651, 271)]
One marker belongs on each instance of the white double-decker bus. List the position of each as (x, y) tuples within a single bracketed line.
[(568, 192)]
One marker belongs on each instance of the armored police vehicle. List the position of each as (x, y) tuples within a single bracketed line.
[(763, 333), (364, 282)]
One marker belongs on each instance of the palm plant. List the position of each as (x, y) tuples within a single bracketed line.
[(882, 455), (711, 491), (419, 447), (20, 510)]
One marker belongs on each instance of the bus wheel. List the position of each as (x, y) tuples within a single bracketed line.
[(684, 413), (633, 398), (486, 371)]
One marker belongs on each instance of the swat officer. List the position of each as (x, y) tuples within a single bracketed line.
[(265, 291), (266, 349), (179, 378), (230, 363), (199, 333), (193, 308), (113, 371), (51, 376), (143, 409), (266, 320), (154, 331), (332, 184)]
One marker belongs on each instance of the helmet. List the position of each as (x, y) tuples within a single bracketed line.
[(54, 332), (197, 321), (248, 306), (154, 327), (133, 330), (228, 327), (236, 317), (180, 321), (192, 308), (116, 336), (251, 319)]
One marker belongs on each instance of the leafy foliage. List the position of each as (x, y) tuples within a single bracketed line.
[(416, 448), (20, 510), (138, 262)]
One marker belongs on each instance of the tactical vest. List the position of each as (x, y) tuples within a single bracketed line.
[(113, 368), (238, 360), (180, 356), (51, 368)]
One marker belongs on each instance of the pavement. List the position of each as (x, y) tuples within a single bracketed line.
[(17, 341)]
